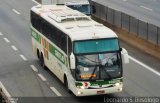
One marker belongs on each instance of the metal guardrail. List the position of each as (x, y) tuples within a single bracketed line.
[(137, 27), (5, 96)]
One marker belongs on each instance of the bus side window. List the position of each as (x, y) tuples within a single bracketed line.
[(36, 21), (52, 34), (46, 28), (39, 23), (69, 46), (64, 42), (57, 37)]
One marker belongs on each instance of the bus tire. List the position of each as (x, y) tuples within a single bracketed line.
[(66, 84), (38, 56), (42, 61)]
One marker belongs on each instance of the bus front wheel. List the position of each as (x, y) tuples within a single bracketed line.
[(38, 56), (66, 84)]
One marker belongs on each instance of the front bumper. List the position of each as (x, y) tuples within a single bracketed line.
[(99, 91)]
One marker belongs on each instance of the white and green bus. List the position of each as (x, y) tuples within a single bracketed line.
[(83, 54)]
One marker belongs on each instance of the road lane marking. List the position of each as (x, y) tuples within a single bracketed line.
[(55, 91), (23, 57), (14, 48), (1, 34), (35, 2), (146, 8), (4, 90), (14, 10), (144, 65), (34, 68), (42, 77), (6, 40)]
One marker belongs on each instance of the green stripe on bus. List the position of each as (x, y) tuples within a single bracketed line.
[(57, 53), (36, 36), (97, 83), (51, 48), (105, 82)]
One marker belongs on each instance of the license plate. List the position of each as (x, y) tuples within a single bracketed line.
[(100, 92)]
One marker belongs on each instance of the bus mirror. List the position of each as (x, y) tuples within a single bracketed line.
[(125, 56), (72, 61)]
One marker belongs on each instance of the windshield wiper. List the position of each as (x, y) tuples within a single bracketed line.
[(93, 72)]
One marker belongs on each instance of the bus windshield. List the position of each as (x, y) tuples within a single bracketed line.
[(82, 8), (101, 66), (96, 46), (97, 59)]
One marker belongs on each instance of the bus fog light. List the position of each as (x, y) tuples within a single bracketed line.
[(120, 89), (117, 84), (79, 93)]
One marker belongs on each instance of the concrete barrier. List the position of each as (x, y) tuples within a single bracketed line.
[(132, 38), (5, 96)]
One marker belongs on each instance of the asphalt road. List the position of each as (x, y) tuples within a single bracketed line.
[(145, 10), (22, 75)]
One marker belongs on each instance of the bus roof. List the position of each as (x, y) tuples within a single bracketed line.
[(73, 23)]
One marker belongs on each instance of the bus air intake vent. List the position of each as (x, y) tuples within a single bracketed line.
[(60, 15)]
